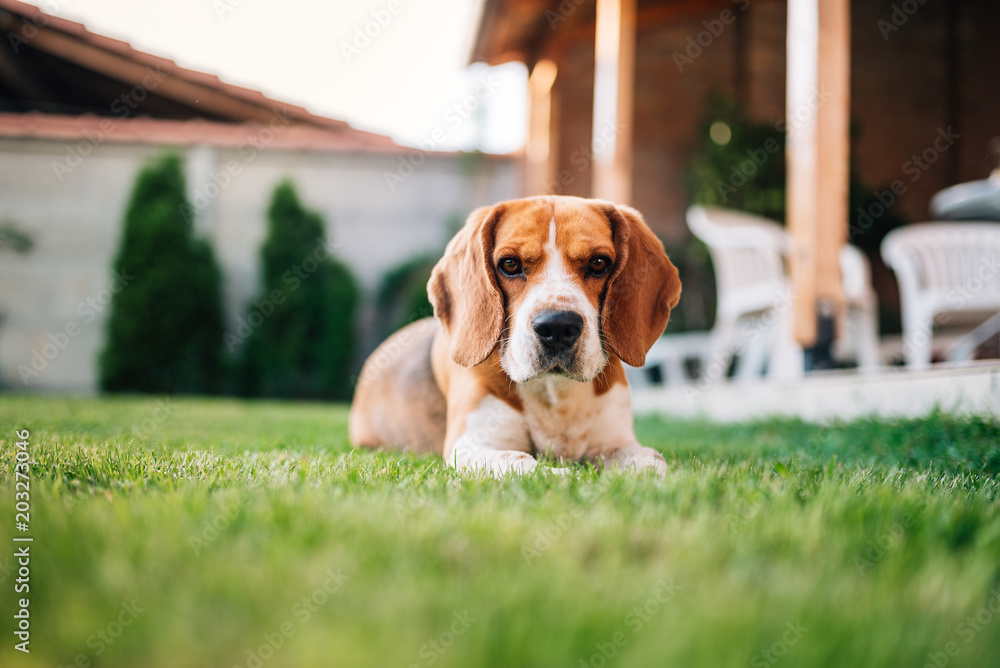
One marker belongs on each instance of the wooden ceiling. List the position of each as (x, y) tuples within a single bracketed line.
[(527, 30)]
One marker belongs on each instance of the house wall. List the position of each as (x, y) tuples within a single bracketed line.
[(75, 224), (907, 86), (670, 92)]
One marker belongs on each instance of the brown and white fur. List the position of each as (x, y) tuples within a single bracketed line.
[(513, 366)]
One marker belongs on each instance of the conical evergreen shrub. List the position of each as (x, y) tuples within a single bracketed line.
[(299, 333), (164, 331)]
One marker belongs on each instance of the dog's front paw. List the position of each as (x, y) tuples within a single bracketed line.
[(639, 459), (515, 462), (498, 463)]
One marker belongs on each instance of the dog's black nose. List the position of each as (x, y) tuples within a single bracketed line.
[(557, 330)]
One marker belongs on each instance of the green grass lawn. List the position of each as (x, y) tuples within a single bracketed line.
[(220, 533)]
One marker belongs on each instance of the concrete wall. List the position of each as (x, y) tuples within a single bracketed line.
[(54, 299)]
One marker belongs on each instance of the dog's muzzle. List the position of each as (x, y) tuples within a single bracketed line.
[(558, 333)]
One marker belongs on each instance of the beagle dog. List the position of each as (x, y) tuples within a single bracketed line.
[(537, 302)]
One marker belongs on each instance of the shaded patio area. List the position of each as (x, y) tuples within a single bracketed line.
[(615, 90)]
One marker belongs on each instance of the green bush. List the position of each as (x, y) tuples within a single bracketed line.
[(164, 332), (300, 339), (402, 294), (746, 172)]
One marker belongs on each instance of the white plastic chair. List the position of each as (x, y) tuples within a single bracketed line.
[(748, 253), (672, 353), (945, 268), (861, 342), (750, 281)]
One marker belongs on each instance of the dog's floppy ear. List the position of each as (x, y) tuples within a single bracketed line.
[(642, 289), (464, 292)]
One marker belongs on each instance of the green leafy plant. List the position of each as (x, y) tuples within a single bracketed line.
[(17, 240), (164, 332), (402, 293), (740, 164), (301, 334)]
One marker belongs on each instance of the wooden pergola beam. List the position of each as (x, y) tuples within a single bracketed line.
[(541, 147), (614, 100), (818, 118)]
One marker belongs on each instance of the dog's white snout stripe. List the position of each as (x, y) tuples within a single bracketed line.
[(556, 290)]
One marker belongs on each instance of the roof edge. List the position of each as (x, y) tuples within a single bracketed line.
[(79, 31)]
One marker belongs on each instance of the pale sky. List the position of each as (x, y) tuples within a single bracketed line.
[(404, 81)]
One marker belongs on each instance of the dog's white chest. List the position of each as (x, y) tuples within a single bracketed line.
[(566, 420)]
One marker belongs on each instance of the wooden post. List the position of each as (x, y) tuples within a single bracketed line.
[(614, 95), (817, 117), (541, 147)]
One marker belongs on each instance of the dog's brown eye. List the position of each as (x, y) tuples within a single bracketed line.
[(510, 266), (599, 264)]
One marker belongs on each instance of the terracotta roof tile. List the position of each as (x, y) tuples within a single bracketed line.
[(146, 130)]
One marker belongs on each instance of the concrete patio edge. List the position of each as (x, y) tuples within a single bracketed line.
[(966, 389)]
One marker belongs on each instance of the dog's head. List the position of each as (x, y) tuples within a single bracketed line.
[(558, 283)]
